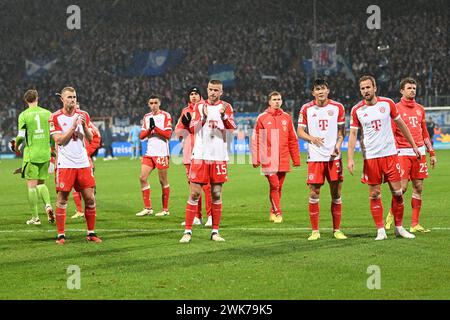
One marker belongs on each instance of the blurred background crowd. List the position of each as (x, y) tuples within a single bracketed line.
[(266, 43)]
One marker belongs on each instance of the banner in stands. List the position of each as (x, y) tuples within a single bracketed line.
[(154, 63), (38, 67), (222, 72), (324, 56)]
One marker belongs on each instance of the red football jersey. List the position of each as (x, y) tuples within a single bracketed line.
[(413, 114)]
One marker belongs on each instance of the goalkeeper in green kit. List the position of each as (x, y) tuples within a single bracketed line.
[(34, 133)]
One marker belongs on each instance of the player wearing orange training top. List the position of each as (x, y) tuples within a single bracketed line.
[(274, 143), (413, 114), (211, 120), (157, 127), (324, 120), (374, 115), (184, 132)]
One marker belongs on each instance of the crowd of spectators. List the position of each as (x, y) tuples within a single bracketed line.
[(257, 37)]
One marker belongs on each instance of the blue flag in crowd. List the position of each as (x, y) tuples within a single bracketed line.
[(222, 72), (154, 63), (38, 67)]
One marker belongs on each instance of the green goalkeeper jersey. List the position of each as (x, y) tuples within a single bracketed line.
[(34, 128)]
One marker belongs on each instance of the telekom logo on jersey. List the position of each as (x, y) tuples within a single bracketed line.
[(376, 124), (213, 124), (323, 124), (413, 121)]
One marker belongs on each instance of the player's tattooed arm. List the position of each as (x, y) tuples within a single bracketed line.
[(314, 140), (351, 150), (340, 140)]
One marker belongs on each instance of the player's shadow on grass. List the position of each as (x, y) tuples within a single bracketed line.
[(77, 250), (362, 235)]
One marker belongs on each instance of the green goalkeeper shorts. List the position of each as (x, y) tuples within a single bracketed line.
[(35, 171)]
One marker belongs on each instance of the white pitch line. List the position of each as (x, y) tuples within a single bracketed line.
[(181, 229)]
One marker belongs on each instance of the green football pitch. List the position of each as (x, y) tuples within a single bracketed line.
[(141, 258)]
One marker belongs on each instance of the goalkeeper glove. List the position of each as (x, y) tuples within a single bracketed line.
[(13, 147)]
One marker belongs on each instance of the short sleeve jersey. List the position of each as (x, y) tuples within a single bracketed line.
[(157, 146), (73, 154), (211, 140), (322, 122), (375, 121)]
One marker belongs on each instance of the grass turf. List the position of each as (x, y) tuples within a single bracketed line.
[(141, 258)]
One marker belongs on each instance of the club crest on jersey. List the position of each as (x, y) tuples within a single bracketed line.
[(382, 109), (330, 113), (418, 112)]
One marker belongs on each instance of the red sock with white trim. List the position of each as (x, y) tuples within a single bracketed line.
[(314, 211), (416, 205), (336, 211), (191, 210)]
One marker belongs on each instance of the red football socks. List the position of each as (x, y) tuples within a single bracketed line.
[(314, 210), (191, 210), (60, 219), (376, 207), (397, 208), (90, 217), (336, 211), (216, 215), (146, 197), (416, 205)]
